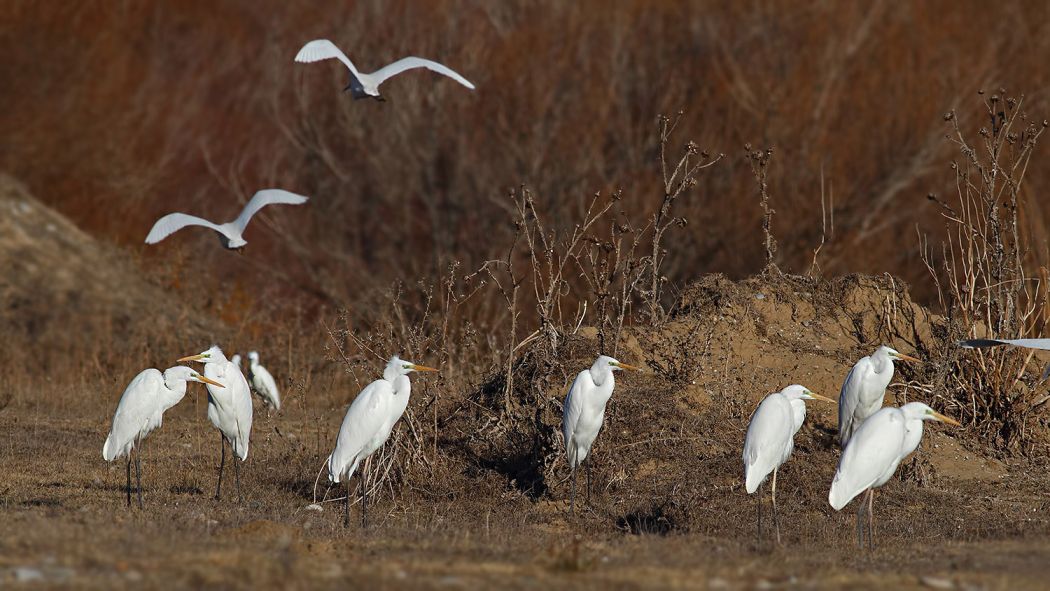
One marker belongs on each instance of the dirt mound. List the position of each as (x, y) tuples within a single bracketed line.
[(62, 290)]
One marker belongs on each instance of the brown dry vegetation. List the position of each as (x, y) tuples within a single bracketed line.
[(515, 232)]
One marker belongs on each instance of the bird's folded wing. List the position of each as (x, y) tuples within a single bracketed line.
[(323, 49), (174, 222), (410, 63), (264, 198)]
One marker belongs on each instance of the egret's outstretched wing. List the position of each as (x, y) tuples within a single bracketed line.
[(582, 387), (141, 399), (873, 451), (173, 222), (362, 422), (264, 198), (323, 49), (410, 63), (1042, 344), (768, 435)]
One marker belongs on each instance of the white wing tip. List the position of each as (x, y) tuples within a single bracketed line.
[(316, 50)]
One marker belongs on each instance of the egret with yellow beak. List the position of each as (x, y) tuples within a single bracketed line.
[(865, 388)]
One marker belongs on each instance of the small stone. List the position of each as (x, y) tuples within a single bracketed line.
[(314, 507), (937, 583)]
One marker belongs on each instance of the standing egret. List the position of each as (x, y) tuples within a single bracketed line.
[(873, 453), (236, 360), (231, 234), (771, 439), (367, 426), (864, 389), (584, 412), (229, 409), (141, 410), (363, 85), (262, 382)]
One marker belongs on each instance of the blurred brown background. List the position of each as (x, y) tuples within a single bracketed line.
[(115, 113)]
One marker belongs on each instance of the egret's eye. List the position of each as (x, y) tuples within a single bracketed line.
[(407, 366)]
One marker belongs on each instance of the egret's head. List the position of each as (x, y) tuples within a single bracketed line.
[(399, 367), (187, 374), (800, 392), (212, 355), (894, 354), (253, 356), (918, 410), (605, 362)]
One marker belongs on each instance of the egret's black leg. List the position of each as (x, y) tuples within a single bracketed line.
[(363, 483), (588, 481), (236, 475), (222, 465), (346, 506), (758, 505), (572, 495), (129, 478), (138, 474)]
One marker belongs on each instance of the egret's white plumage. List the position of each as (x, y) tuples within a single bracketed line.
[(229, 408), (370, 420), (367, 85), (262, 382), (875, 451), (863, 391), (141, 410), (236, 360), (584, 411), (231, 234)]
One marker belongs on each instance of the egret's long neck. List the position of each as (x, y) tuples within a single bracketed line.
[(176, 387), (602, 377), (402, 386), (883, 364)]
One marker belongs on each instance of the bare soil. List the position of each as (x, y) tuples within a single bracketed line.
[(481, 501)]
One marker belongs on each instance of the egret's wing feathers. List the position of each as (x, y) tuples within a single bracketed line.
[(874, 448), (266, 385), (768, 434), (1041, 344), (137, 405), (573, 408), (410, 63), (173, 222), (362, 422), (323, 49), (264, 198)]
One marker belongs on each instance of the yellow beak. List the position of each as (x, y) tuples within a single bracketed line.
[(423, 368), (819, 397), (197, 357), (628, 367), (904, 357), (209, 381), (945, 419)]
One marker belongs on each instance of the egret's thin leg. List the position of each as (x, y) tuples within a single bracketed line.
[(138, 474), (363, 483), (129, 479), (346, 506), (776, 517), (572, 496), (860, 523), (222, 465), (758, 498), (588, 481), (871, 519), (237, 477)]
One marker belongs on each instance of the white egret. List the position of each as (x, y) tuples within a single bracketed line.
[(872, 455), (231, 234), (367, 426), (583, 413), (141, 410), (229, 408), (864, 389), (236, 360), (262, 382), (771, 439), (363, 85)]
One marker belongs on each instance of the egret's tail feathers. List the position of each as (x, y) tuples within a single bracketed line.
[(838, 497), (241, 449), (332, 476), (108, 453), (752, 479)]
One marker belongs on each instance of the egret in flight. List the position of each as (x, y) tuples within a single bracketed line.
[(872, 455), (363, 85), (262, 382), (864, 389), (231, 234), (771, 439), (367, 426), (583, 414), (141, 410), (229, 409)]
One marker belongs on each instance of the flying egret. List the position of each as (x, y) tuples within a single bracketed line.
[(363, 85), (229, 408), (864, 389), (771, 439), (367, 426), (231, 234), (141, 410), (262, 382), (583, 413), (872, 455)]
